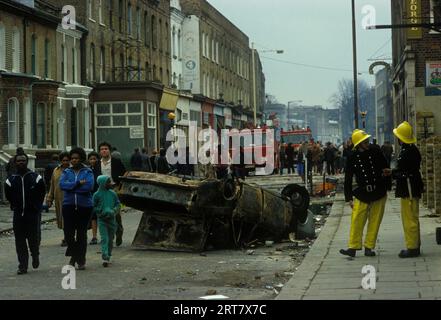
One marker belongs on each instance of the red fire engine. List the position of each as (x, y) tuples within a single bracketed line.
[(297, 137)]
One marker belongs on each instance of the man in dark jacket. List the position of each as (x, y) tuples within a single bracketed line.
[(330, 155), (409, 188), (136, 160), (114, 168), (25, 191), (369, 168)]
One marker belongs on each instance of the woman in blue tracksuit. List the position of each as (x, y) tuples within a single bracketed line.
[(77, 182)]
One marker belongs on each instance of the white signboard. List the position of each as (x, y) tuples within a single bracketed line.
[(136, 133), (433, 74), (191, 50)]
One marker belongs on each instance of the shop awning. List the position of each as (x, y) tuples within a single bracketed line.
[(169, 100)]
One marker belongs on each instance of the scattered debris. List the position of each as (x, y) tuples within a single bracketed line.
[(269, 243), (250, 252), (279, 286), (257, 278), (269, 287), (203, 254), (211, 292)]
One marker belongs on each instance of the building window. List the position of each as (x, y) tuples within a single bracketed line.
[(129, 20), (2, 47), (130, 69), (12, 121), (121, 61), (16, 50), (111, 14), (138, 23), (160, 45), (435, 13), (46, 58), (102, 65), (213, 50), (147, 71), (100, 11), (207, 44), (167, 39), (146, 28), (92, 62), (90, 8), (161, 75), (112, 56), (174, 43), (168, 78), (217, 52), (175, 79), (195, 116), (120, 15), (74, 64), (63, 63), (34, 54), (151, 126), (73, 127), (154, 35), (40, 127), (179, 45), (121, 115), (203, 44)]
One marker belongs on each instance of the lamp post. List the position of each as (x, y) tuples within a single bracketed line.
[(253, 58), (354, 54)]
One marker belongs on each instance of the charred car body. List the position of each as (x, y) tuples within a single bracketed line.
[(195, 215)]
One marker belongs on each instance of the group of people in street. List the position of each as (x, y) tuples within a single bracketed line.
[(371, 167), (81, 188)]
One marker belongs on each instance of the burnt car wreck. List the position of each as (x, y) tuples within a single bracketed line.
[(195, 215)]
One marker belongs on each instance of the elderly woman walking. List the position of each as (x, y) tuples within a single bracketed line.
[(55, 194)]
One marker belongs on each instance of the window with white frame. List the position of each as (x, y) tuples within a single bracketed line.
[(195, 116), (118, 115), (151, 126), (12, 121), (102, 61), (100, 11), (217, 52), (16, 50), (34, 54), (213, 50), (2, 47), (207, 45), (90, 9)]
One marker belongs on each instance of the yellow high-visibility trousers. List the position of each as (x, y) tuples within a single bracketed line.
[(410, 212), (373, 213)]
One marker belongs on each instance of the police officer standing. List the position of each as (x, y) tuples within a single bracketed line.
[(25, 191), (409, 188), (369, 167)]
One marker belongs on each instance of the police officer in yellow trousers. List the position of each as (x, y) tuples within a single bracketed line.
[(409, 188), (370, 169)]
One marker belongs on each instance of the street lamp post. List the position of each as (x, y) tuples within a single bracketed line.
[(253, 58), (354, 54)]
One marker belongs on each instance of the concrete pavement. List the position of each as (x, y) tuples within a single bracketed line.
[(325, 274)]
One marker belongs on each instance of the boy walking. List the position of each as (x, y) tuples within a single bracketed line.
[(106, 205)]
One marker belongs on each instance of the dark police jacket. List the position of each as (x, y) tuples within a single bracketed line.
[(25, 194), (408, 167), (367, 167)]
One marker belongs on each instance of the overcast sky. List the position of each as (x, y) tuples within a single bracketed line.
[(312, 32)]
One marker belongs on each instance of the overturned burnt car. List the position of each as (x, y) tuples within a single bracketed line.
[(197, 215)]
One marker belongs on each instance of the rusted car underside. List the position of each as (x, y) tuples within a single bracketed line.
[(195, 215)]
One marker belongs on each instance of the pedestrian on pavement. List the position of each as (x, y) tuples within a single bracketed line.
[(113, 168), (316, 157), (330, 155), (153, 160), (301, 164), (289, 152), (10, 166), (93, 159), (115, 153), (25, 191), (409, 188), (136, 160), (162, 165), (369, 168), (105, 206), (388, 151), (282, 157), (77, 182), (146, 165), (55, 194), (49, 170)]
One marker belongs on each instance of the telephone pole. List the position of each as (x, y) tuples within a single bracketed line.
[(354, 52)]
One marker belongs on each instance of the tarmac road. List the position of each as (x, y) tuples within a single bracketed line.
[(148, 275)]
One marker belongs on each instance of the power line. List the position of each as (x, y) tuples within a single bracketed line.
[(312, 66), (386, 43)]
